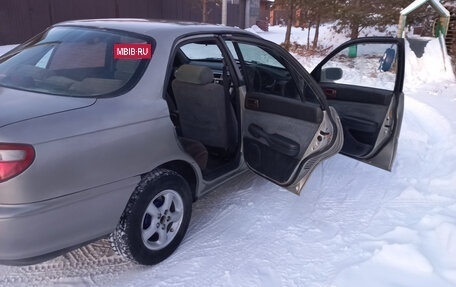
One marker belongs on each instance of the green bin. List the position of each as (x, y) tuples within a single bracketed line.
[(352, 51)]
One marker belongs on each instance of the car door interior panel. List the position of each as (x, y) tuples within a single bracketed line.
[(268, 103), (370, 111), (357, 94), (362, 111), (285, 128), (274, 141), (265, 160)]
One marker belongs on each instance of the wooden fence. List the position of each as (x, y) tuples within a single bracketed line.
[(21, 19)]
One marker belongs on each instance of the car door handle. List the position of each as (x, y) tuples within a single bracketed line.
[(275, 141), (252, 103), (330, 93)]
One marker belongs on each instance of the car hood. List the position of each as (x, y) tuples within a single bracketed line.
[(17, 105)]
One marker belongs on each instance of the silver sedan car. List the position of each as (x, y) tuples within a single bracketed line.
[(113, 127)]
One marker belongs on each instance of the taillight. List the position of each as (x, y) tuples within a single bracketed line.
[(14, 159)]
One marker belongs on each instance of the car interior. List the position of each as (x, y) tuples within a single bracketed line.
[(200, 97), (210, 132)]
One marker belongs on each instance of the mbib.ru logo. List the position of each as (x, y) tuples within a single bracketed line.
[(132, 51)]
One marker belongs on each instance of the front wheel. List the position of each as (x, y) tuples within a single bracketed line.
[(155, 220)]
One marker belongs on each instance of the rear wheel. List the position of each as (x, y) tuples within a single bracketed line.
[(155, 220)]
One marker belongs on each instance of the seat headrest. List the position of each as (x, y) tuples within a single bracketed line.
[(199, 75)]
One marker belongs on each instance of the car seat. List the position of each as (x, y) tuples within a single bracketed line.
[(205, 112)]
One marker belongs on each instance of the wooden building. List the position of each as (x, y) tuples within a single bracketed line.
[(450, 39)]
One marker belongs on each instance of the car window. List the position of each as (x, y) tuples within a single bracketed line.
[(366, 65), (255, 54), (232, 50), (264, 72), (72, 61), (201, 51)]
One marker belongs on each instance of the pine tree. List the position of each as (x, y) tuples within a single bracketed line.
[(358, 14)]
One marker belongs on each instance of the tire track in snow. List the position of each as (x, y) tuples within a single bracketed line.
[(78, 267)]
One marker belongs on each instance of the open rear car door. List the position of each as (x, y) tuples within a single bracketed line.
[(287, 128), (363, 80)]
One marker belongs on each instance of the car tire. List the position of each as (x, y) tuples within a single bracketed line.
[(155, 219)]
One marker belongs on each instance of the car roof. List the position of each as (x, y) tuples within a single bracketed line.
[(156, 28)]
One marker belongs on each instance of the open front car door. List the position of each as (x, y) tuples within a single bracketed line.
[(363, 80)]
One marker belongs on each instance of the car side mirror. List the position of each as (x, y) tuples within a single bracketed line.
[(331, 74)]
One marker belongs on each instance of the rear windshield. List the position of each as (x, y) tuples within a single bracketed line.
[(72, 61)]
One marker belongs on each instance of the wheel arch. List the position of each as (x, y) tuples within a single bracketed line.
[(187, 171)]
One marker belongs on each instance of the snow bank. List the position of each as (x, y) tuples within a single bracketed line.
[(327, 37), (255, 29), (432, 67)]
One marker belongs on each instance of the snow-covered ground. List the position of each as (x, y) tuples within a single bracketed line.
[(353, 225)]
